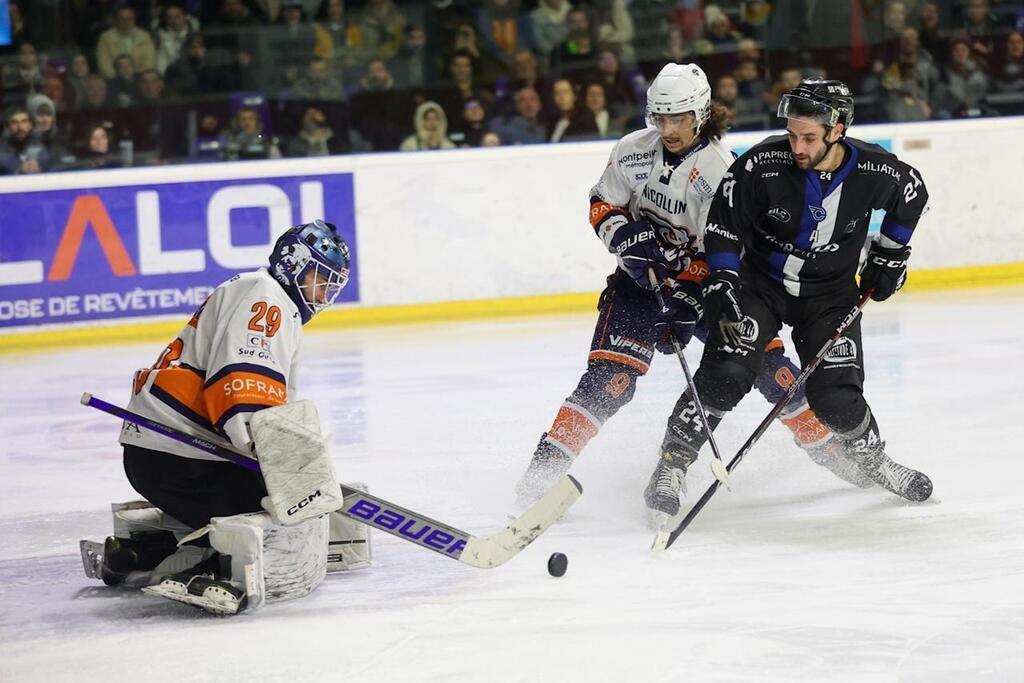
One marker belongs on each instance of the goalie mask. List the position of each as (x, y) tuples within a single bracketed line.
[(311, 262), (676, 90)]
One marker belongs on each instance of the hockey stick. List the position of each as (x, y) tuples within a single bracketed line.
[(718, 464), (484, 552), (665, 540)]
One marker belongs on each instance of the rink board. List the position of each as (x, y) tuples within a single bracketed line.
[(101, 255)]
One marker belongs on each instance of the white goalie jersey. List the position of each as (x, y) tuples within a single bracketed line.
[(674, 192), (236, 355)]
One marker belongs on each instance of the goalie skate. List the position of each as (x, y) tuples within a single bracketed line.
[(202, 590)]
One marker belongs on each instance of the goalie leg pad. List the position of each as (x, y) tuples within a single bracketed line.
[(300, 478), (349, 546), (270, 561)]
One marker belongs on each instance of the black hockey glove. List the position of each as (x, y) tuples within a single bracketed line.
[(885, 271), (684, 306), (722, 308), (636, 246)]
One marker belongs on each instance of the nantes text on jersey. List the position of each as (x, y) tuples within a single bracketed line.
[(806, 229), (238, 354), (672, 191)]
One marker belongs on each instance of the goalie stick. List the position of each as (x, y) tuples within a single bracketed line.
[(663, 540), (483, 552)]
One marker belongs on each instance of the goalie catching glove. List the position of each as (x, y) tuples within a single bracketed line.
[(296, 466)]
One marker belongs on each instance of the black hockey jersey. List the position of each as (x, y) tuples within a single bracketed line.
[(805, 229)]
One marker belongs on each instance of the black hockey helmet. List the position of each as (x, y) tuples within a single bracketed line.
[(826, 102)]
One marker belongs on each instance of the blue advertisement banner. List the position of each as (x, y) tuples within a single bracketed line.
[(81, 254)]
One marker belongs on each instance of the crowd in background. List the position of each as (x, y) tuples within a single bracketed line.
[(99, 83)]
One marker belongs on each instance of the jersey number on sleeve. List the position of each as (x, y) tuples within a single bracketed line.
[(170, 354), (267, 319)]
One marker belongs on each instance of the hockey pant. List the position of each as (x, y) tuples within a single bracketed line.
[(621, 351)]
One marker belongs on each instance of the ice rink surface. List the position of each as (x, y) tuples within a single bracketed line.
[(793, 576)]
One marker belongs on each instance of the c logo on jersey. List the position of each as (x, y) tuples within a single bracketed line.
[(817, 213)]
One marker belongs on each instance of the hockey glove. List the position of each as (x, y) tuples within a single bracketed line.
[(885, 271), (684, 306), (722, 306), (636, 247)]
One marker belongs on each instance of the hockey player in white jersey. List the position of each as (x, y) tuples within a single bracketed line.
[(649, 208), (235, 360)]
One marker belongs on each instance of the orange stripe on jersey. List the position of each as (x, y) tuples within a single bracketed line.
[(572, 429), (184, 386), (600, 210), (774, 344), (695, 272), (620, 358), (241, 387)]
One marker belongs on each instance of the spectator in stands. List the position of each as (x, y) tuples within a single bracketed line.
[(378, 110), (21, 152), (569, 122), (965, 82), (290, 44), (122, 89), (463, 84), (596, 102), (377, 77), (229, 46), (382, 27), (1010, 77), (124, 38), (548, 26), (490, 139), (749, 81), (151, 88), (44, 126), (578, 52), (745, 113), (486, 65), (346, 38), (526, 126), (197, 71), (676, 48), (315, 138), (97, 96), (246, 139), (620, 93), (172, 34), (525, 74), (53, 88), (473, 126), (76, 75), (718, 30), (24, 77), (431, 127), (96, 150), (503, 29), (910, 81), (981, 27), (787, 79), (319, 83), (615, 29), (412, 66), (932, 34)]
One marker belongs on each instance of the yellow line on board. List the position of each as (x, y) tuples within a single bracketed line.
[(922, 280)]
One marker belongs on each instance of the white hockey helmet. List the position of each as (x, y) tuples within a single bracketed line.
[(677, 89)]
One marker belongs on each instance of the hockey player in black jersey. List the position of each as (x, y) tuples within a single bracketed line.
[(783, 240)]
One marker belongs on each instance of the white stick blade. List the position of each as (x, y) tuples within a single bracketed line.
[(499, 548), (721, 473)]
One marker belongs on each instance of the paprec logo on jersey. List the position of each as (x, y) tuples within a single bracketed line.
[(779, 214)]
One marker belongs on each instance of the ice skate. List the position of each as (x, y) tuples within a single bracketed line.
[(831, 456), (667, 486), (201, 589), (903, 481), (116, 558), (548, 465)]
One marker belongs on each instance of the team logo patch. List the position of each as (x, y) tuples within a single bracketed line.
[(817, 213), (843, 351), (779, 214)]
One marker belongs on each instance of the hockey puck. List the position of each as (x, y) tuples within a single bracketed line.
[(557, 564)]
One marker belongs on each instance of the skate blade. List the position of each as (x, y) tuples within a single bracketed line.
[(199, 601), (660, 541), (92, 558)]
